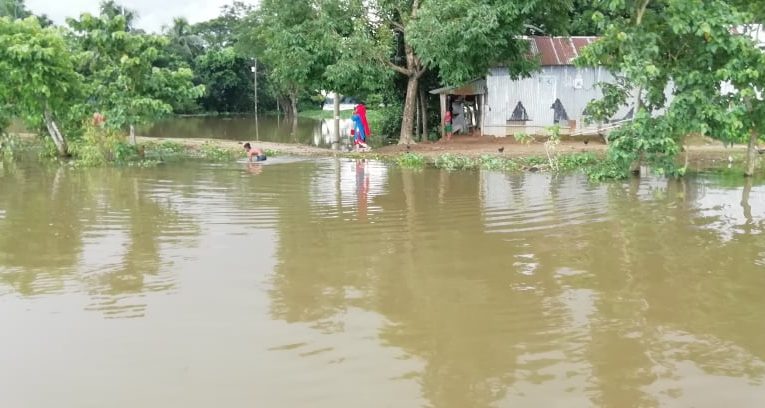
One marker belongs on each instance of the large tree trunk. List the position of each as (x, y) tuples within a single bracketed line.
[(294, 109), (751, 155), (745, 201), (133, 140), (407, 121), (285, 105), (424, 113), (55, 134), (417, 119)]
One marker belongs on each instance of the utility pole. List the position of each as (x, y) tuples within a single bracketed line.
[(336, 111), (254, 70)]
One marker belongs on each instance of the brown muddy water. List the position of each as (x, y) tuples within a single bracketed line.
[(341, 283), (310, 132)]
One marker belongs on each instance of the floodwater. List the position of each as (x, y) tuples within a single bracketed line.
[(341, 283), (270, 129)]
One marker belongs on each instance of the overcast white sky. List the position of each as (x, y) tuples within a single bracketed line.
[(153, 14)]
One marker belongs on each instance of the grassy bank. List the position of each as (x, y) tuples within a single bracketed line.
[(115, 151)]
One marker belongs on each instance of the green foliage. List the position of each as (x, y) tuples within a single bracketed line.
[(608, 170), (523, 138), (390, 121), (37, 71), (223, 31), (532, 161), (165, 151), (575, 161), (9, 146), (551, 145), (453, 162), (604, 109), (463, 38), (411, 160), (110, 9), (99, 146), (228, 81), (124, 83), (14, 9), (213, 152), (690, 48), (492, 162), (350, 44), (290, 39), (183, 42)]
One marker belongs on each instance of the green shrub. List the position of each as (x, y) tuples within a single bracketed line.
[(533, 161), (451, 162), (9, 147), (210, 151), (411, 160), (608, 170), (524, 138), (492, 162), (575, 161), (99, 146), (164, 151), (389, 123)]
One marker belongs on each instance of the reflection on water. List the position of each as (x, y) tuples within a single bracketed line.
[(270, 129), (348, 283)]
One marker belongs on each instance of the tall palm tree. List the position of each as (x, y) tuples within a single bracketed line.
[(13, 9), (183, 41), (110, 8)]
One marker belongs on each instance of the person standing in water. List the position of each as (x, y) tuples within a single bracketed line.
[(359, 133), (361, 110), (254, 152)]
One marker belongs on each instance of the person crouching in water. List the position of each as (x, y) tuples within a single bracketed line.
[(359, 133), (254, 152)]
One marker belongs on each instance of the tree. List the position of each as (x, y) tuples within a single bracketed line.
[(288, 38), (691, 49), (123, 82), (39, 81), (460, 38), (227, 79), (183, 42), (16, 9), (222, 31), (111, 9)]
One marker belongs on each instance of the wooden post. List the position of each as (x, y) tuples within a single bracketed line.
[(443, 115), (483, 113)]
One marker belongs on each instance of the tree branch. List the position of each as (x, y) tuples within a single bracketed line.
[(641, 12), (400, 70)]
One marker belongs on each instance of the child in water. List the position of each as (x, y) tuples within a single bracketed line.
[(258, 154)]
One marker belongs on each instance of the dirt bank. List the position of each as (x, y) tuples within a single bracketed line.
[(698, 149)]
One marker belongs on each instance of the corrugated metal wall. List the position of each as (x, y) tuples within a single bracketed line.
[(538, 93)]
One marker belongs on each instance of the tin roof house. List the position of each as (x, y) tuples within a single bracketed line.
[(557, 94)]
